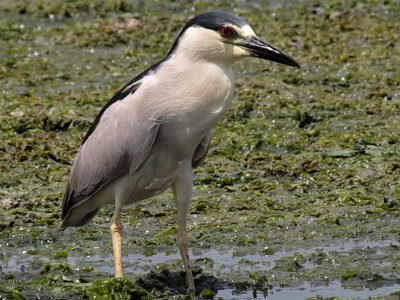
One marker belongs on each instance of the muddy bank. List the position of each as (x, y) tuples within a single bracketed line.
[(300, 194)]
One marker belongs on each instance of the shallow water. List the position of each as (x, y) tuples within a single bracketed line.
[(306, 290), (301, 186), (225, 262)]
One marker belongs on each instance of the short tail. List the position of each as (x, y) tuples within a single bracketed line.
[(78, 216)]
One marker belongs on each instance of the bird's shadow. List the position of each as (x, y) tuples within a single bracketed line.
[(174, 282)]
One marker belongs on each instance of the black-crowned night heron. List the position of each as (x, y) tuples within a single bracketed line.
[(155, 130)]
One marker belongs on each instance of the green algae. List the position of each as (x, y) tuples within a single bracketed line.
[(302, 158), (117, 289)]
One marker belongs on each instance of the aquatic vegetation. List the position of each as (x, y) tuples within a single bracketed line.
[(302, 184)]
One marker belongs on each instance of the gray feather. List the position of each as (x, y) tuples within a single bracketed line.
[(118, 145)]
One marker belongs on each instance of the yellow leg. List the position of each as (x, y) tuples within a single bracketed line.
[(183, 248), (116, 234)]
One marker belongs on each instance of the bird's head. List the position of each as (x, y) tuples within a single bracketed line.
[(225, 37)]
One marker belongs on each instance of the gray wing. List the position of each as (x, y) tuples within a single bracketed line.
[(201, 151), (119, 144)]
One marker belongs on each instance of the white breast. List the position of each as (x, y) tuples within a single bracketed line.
[(187, 99)]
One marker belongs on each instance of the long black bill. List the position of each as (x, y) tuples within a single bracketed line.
[(262, 49)]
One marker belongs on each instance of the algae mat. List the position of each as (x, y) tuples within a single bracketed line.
[(298, 199)]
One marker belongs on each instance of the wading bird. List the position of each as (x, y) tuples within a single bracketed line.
[(155, 130)]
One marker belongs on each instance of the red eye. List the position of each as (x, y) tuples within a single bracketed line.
[(226, 31)]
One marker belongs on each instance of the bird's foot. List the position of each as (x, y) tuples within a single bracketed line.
[(191, 292)]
